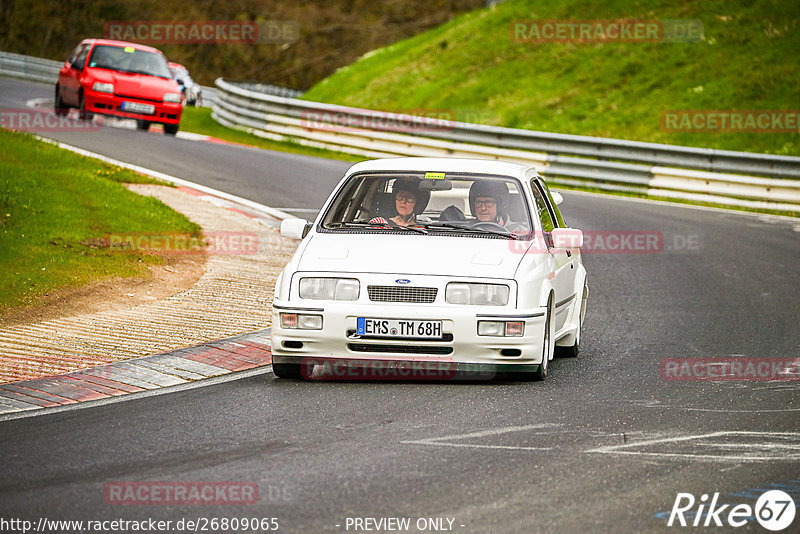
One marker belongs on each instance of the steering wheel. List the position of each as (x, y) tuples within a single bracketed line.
[(487, 225)]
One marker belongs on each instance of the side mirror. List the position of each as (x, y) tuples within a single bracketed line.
[(295, 228), (557, 198), (567, 238)]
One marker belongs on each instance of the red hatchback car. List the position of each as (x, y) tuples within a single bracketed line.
[(126, 80)]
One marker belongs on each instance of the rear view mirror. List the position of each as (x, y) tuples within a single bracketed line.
[(567, 237), (557, 198), (295, 228)]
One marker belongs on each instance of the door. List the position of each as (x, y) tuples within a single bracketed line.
[(562, 260)]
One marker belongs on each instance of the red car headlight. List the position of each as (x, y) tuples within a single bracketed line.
[(101, 87)]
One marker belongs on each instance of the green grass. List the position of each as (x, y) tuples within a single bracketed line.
[(56, 207), (471, 68), (199, 121)]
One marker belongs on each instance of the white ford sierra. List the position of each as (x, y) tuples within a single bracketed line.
[(431, 268)]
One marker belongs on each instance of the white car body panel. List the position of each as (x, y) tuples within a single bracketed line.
[(538, 277)]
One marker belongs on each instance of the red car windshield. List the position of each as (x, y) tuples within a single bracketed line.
[(128, 59)]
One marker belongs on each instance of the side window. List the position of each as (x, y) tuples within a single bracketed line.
[(75, 53), (80, 61), (542, 209), (559, 217)]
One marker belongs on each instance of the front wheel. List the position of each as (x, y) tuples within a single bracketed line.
[(170, 129), (83, 113), (142, 125), (547, 347), (61, 109), (572, 351), (286, 370)]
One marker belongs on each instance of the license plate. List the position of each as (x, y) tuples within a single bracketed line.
[(398, 328), (136, 107)]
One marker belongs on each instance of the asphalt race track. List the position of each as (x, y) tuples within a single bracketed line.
[(605, 444)]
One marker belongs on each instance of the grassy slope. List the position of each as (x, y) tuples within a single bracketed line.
[(55, 206), (747, 60)]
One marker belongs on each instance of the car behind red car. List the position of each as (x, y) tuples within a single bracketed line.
[(126, 80)]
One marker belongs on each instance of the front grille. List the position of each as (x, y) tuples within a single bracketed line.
[(402, 294), (446, 337), (135, 98), (401, 349)]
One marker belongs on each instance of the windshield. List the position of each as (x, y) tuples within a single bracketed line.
[(129, 59), (432, 202)]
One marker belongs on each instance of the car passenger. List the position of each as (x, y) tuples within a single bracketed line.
[(409, 200)]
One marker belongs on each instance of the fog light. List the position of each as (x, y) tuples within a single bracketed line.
[(309, 322), (491, 328)]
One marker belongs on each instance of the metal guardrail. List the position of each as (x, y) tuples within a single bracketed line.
[(29, 68), (720, 176)]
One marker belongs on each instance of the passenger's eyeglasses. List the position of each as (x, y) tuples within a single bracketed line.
[(488, 202), (406, 198)]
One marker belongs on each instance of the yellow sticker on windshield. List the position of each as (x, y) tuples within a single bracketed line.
[(130, 49), (434, 175)]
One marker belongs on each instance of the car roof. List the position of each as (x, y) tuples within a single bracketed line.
[(461, 165), (112, 42)]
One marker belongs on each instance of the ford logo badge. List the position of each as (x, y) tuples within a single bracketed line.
[(402, 281)]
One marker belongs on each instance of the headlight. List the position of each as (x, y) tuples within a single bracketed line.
[(329, 288), (477, 294), (101, 87), (172, 97)]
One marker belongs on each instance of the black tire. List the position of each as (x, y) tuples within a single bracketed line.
[(83, 113), (60, 108), (170, 129), (572, 351), (286, 370), (547, 346), (142, 125)]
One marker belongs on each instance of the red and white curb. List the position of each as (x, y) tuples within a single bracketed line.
[(182, 367)]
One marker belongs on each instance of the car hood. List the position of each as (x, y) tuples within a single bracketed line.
[(133, 84), (412, 254)]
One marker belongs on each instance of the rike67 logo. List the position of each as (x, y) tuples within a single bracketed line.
[(774, 510)]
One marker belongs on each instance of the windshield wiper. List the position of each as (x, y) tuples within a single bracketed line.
[(471, 230), (363, 224)]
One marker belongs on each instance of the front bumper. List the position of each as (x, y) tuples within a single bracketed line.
[(109, 104), (460, 345)]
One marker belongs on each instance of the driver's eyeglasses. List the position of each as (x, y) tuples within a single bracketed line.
[(488, 202), (406, 198)]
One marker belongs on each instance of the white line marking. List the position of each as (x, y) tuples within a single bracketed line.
[(470, 446), (732, 411), (779, 448), (440, 441), (172, 179)]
